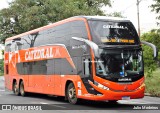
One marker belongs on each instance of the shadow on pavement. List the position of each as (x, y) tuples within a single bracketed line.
[(83, 105)]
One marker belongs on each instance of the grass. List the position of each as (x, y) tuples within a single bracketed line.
[(153, 83)]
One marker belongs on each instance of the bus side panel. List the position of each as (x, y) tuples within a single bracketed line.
[(39, 84), (7, 72), (12, 69), (77, 81), (49, 84), (57, 85)]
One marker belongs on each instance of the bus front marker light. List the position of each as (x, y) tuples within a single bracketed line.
[(100, 85), (143, 85)]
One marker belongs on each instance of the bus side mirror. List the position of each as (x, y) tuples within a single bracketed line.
[(94, 46), (155, 50)]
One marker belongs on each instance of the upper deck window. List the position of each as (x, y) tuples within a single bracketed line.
[(113, 32)]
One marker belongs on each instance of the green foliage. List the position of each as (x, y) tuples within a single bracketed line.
[(152, 83), (116, 14), (25, 15), (1, 67), (156, 9), (150, 64)]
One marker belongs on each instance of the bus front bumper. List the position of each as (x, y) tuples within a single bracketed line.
[(113, 95)]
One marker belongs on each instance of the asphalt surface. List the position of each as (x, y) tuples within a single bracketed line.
[(58, 104)]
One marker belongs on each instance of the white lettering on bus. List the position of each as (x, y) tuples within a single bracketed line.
[(39, 53), (114, 26)]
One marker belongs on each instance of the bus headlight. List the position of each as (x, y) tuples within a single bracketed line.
[(143, 85), (101, 86)]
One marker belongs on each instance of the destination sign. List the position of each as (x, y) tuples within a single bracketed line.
[(118, 40)]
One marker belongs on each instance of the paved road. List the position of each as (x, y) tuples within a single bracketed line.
[(57, 103)]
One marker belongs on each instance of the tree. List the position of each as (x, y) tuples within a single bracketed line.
[(156, 8), (25, 15), (154, 37), (116, 14)]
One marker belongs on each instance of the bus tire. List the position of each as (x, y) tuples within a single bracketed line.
[(21, 88), (71, 94), (15, 89)]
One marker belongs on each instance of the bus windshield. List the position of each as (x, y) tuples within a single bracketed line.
[(119, 63), (114, 32)]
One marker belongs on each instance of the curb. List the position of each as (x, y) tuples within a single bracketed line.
[(147, 94)]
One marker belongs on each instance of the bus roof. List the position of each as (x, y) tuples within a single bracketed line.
[(104, 18), (67, 20)]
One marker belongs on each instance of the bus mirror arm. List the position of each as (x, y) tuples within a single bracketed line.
[(155, 50), (94, 46)]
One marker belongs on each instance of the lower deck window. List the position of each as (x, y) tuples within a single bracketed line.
[(7, 70), (45, 67)]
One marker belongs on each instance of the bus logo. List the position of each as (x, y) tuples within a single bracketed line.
[(39, 54)]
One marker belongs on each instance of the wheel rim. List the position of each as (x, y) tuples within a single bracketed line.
[(22, 89), (72, 95), (15, 90)]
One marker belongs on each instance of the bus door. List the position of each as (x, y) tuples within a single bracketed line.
[(87, 72)]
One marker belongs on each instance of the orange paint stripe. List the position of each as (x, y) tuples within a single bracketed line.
[(92, 53)]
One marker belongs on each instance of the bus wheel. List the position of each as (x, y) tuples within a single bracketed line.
[(71, 94), (15, 89), (22, 92)]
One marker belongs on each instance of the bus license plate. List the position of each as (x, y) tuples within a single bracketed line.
[(126, 98)]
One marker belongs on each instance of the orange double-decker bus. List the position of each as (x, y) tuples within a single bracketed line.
[(83, 57)]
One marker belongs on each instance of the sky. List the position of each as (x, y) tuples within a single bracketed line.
[(3, 4), (128, 9)]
